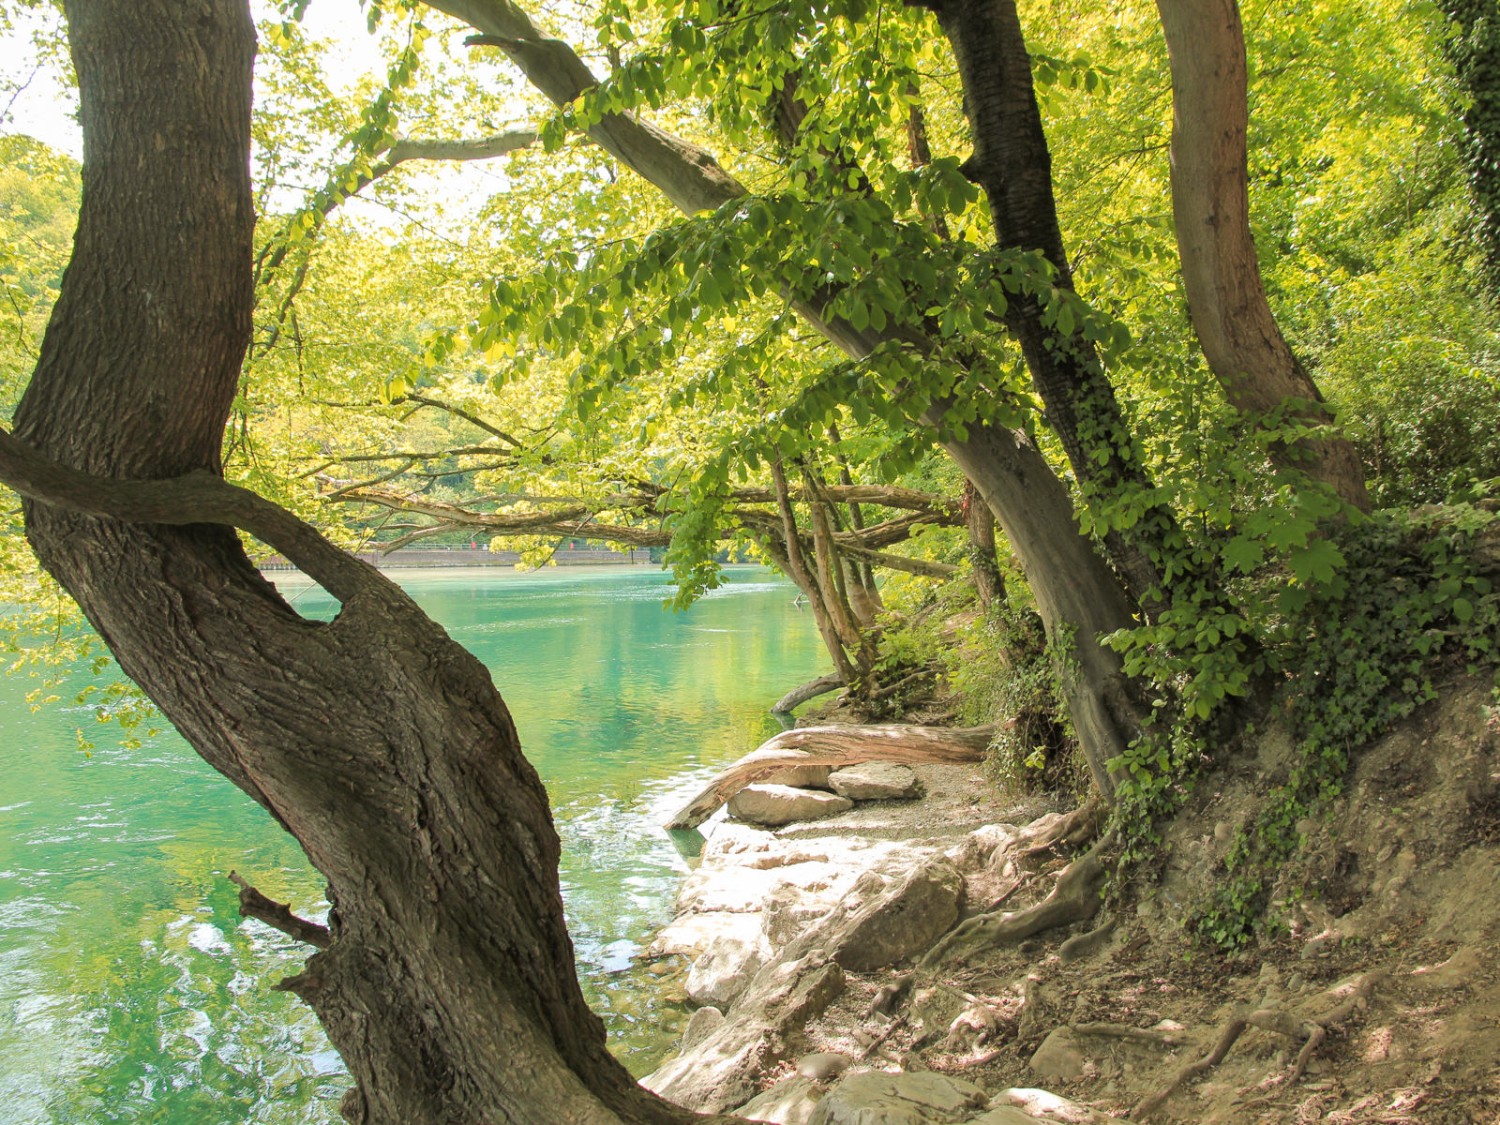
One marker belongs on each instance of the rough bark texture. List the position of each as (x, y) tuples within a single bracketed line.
[(834, 746), (447, 983), (1220, 272), (1474, 49), (989, 585), (1078, 595)]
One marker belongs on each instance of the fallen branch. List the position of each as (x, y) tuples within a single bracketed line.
[(835, 746), (278, 915)]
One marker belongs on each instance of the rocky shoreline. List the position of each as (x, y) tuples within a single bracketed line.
[(926, 962), (781, 919)]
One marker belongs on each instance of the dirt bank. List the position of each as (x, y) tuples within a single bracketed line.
[(1375, 997)]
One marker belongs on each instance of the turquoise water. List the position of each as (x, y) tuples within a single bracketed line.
[(130, 989)]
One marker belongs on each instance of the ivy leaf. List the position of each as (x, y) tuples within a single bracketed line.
[(1244, 554)]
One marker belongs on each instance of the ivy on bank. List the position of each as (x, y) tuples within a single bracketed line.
[(1355, 648)]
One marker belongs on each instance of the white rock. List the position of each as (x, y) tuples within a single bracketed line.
[(876, 781), (775, 805)]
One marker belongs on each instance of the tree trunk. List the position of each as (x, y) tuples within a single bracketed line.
[(988, 583), (1473, 47), (1078, 596), (1221, 275), (447, 982), (1013, 165)]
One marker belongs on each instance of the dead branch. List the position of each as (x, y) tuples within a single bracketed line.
[(810, 690), (278, 915)]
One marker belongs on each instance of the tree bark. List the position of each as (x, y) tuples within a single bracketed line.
[(1012, 163), (988, 583), (447, 983), (1078, 595), (1221, 274), (834, 746)]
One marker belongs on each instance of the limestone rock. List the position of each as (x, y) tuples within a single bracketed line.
[(703, 1023), (803, 777), (719, 1071), (722, 973), (1005, 1115), (775, 805), (1059, 1058), (822, 1066), (789, 1102), (876, 781), (876, 1098), (904, 919)]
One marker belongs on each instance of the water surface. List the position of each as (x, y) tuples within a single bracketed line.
[(130, 989)]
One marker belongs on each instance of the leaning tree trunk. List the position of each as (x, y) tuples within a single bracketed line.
[(1013, 165), (1220, 272), (446, 976), (1078, 596)]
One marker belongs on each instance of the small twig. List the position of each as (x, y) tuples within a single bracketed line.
[(278, 915)]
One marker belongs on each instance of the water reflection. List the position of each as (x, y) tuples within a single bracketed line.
[(130, 990)]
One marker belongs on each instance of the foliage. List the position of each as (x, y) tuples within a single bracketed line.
[(1414, 603)]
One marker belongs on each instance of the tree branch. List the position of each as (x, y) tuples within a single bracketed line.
[(196, 497), (278, 915)]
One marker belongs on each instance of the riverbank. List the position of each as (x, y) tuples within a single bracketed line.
[(924, 966)]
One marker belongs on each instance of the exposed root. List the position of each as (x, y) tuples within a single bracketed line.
[(1312, 1032), (1079, 946), (978, 1020), (1155, 1036), (1075, 898), (1074, 829), (1232, 1031)]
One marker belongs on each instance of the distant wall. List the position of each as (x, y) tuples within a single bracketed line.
[(477, 556)]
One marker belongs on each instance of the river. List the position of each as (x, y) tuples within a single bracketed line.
[(130, 989)]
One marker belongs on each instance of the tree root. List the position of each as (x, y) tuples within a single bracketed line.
[(1075, 898), (810, 690), (1312, 1031), (1075, 829), (1151, 1035)]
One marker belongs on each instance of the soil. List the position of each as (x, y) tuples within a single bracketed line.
[(1384, 956)]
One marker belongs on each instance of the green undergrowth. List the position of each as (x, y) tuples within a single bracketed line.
[(1346, 657)]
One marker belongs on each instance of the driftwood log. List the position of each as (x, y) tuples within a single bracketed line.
[(835, 746)]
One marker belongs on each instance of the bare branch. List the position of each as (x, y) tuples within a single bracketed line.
[(278, 915)]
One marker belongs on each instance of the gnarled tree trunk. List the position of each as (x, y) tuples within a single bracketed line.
[(446, 979), (1211, 203)]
